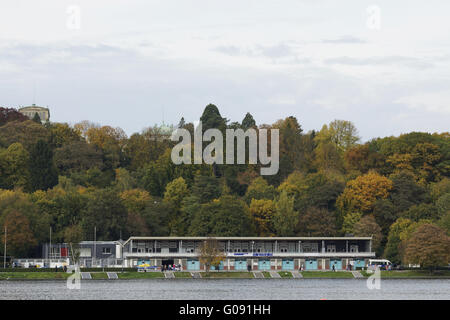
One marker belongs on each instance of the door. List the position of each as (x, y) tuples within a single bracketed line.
[(287, 265), (311, 264), (240, 265), (359, 263), (264, 265), (193, 265), (336, 263)]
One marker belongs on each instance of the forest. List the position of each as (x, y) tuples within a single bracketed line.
[(72, 178)]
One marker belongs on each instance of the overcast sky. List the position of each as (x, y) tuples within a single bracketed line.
[(131, 63)]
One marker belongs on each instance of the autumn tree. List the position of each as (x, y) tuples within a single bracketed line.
[(211, 254), (262, 212), (366, 227), (428, 246), (20, 238), (11, 114), (361, 193)]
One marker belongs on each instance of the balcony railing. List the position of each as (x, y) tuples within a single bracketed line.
[(255, 254)]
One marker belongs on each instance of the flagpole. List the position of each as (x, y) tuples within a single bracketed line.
[(4, 255)]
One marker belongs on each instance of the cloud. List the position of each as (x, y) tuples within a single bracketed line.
[(380, 61), (345, 40), (435, 102)]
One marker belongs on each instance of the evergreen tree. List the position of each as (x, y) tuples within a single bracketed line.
[(37, 118), (43, 172), (248, 122)]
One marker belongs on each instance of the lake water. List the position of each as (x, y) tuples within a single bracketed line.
[(232, 289)]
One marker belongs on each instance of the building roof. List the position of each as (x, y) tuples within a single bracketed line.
[(33, 107), (250, 238)]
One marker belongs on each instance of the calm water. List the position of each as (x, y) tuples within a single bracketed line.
[(227, 289)]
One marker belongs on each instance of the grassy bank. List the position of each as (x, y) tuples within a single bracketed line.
[(411, 274), (140, 275), (227, 275), (33, 275), (327, 274), (407, 274)]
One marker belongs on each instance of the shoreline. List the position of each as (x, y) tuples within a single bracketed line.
[(61, 276)]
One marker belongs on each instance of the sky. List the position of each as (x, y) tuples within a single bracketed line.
[(384, 65)]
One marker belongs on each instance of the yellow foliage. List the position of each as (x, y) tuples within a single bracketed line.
[(361, 193)]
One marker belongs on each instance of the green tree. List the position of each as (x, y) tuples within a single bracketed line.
[(259, 189), (248, 122), (14, 172), (42, 169), (227, 216), (175, 192), (106, 212), (317, 222), (285, 217)]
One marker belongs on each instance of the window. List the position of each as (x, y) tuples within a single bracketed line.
[(106, 250)]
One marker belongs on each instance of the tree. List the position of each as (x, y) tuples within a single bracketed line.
[(62, 134), (428, 246), (349, 221), (211, 119), (443, 204), (37, 118), (385, 214), (363, 158), (175, 192), (14, 171), (77, 156), (227, 216), (405, 191), (11, 114), (290, 144), (444, 222), (20, 239), (124, 180), (105, 211), (366, 227), (248, 122), (262, 212), (399, 233), (206, 188), (361, 193), (317, 222), (421, 211), (42, 169), (343, 134), (259, 189), (285, 217), (211, 254), (135, 200), (73, 235), (27, 133)]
